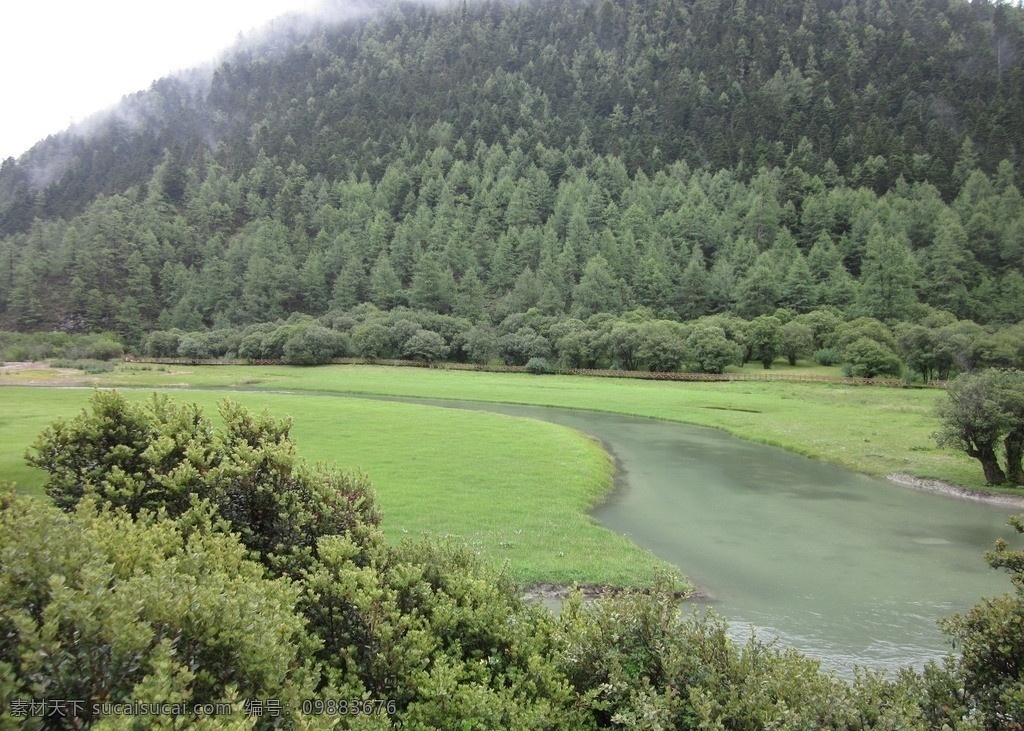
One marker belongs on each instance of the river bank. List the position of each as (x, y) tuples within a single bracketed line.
[(941, 487), (848, 568), (551, 591)]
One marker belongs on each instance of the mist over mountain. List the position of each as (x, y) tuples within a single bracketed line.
[(481, 159)]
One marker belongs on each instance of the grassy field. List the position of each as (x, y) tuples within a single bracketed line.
[(514, 490), (491, 480), (870, 430)]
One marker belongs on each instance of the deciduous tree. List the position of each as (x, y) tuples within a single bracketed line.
[(985, 411)]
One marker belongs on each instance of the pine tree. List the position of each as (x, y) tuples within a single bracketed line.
[(470, 299), (385, 287), (798, 290), (887, 279), (433, 286), (694, 286), (598, 291), (944, 267), (653, 284), (758, 293)]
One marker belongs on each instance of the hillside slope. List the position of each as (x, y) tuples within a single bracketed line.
[(577, 157)]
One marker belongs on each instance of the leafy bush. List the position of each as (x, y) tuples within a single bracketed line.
[(425, 345), (481, 344), (867, 358), (371, 340), (796, 341), (983, 412), (538, 366), (162, 343), (253, 346), (314, 345), (517, 348), (149, 586), (663, 345), (710, 350), (991, 640), (195, 346), (400, 333), (96, 348), (159, 455), (638, 660), (827, 357), (97, 606), (763, 337), (89, 366)]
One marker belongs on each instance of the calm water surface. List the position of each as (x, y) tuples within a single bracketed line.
[(846, 568)]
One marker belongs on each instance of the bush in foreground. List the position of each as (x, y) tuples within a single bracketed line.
[(100, 608)]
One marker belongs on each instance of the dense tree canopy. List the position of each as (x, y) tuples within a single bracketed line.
[(574, 157)]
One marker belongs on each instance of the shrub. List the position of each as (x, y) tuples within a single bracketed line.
[(159, 455), (481, 345), (166, 601), (827, 357), (867, 358), (763, 337), (425, 345), (98, 348), (162, 343), (314, 345), (372, 340), (194, 346), (637, 657), (710, 350), (517, 348), (253, 346), (538, 366), (797, 341), (400, 333), (98, 607), (663, 345), (991, 640)]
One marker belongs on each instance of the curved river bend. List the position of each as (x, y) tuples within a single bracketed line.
[(846, 568)]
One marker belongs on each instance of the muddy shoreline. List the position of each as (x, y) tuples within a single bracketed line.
[(542, 591), (949, 489)]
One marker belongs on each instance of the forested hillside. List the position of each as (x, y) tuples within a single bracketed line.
[(565, 159)]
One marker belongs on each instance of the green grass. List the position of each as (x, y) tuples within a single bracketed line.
[(871, 430), (518, 490), (514, 490)]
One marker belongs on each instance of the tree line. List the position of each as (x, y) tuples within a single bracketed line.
[(474, 239)]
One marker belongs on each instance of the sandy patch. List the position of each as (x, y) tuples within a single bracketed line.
[(948, 488), (42, 374), (18, 366)]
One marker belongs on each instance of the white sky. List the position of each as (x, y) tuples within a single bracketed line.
[(63, 60)]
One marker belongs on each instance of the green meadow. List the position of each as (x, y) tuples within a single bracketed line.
[(515, 490), (872, 430)]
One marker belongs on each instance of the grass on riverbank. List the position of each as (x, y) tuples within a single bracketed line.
[(870, 430), (514, 490)]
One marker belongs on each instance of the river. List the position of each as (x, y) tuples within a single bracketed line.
[(846, 568)]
